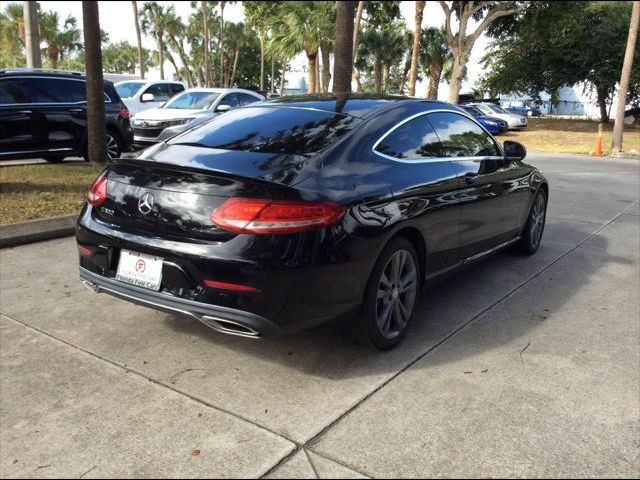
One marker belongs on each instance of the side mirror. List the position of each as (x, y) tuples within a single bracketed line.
[(223, 108), (514, 151), (147, 97)]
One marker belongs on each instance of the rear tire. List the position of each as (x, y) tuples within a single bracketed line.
[(390, 297), (534, 227), (114, 147)]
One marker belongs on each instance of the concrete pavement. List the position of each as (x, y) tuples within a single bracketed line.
[(551, 343)]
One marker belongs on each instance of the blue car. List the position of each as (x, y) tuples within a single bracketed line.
[(494, 125)]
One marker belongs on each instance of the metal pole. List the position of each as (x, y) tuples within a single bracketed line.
[(32, 34)]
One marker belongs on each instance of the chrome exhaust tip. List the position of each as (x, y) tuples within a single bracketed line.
[(229, 327), (91, 286)]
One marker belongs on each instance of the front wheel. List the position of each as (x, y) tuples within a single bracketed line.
[(390, 297), (532, 233)]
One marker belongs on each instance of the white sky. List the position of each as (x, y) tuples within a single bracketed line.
[(116, 18)]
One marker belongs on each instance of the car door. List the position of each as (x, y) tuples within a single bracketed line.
[(15, 116), (421, 181), (489, 187), (59, 118)]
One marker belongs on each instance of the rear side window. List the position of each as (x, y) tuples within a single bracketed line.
[(461, 137), (271, 130), (161, 92), (14, 91), (54, 90), (230, 99), (176, 88), (414, 139), (246, 99)]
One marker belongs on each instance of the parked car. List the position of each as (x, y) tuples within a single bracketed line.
[(492, 124), (522, 108), (141, 95), (186, 110), (43, 114), (516, 122), (285, 214)]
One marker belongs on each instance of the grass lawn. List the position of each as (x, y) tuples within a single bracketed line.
[(570, 136), (38, 191)]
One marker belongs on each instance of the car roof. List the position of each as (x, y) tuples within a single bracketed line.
[(356, 104), (41, 71), (147, 82)]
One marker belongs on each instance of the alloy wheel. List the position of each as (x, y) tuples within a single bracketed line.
[(396, 294), (538, 215), (113, 148)]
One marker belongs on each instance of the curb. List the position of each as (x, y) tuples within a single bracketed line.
[(13, 234)]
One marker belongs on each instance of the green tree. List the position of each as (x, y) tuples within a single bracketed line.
[(530, 56), (384, 48), (460, 42), (154, 18), (134, 4), (60, 42), (176, 32), (435, 58), (11, 43), (343, 66), (257, 15)]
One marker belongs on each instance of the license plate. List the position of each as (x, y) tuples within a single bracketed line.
[(140, 269)]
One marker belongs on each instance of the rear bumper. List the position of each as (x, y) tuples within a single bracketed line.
[(221, 319)]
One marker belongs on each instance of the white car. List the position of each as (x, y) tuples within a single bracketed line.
[(140, 95), (515, 121), (186, 110)]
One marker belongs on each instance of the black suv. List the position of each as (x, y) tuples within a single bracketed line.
[(43, 114)]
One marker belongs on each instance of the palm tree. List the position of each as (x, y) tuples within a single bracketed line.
[(11, 43), (96, 127), (139, 37), (435, 57), (176, 32), (154, 18), (343, 63), (236, 35), (59, 42), (299, 26), (413, 74), (257, 14), (383, 47)]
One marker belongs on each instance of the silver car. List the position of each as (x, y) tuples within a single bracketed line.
[(515, 121), (186, 110)]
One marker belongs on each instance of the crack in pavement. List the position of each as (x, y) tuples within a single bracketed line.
[(310, 442)]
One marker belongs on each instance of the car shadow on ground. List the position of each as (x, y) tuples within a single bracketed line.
[(442, 309)]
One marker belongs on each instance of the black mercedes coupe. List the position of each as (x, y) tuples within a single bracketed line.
[(288, 213)]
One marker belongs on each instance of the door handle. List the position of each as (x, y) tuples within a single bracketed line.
[(470, 177), (76, 110), (24, 112)]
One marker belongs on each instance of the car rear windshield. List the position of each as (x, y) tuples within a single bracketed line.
[(271, 130)]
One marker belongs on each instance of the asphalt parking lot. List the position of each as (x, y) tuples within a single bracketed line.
[(517, 366)]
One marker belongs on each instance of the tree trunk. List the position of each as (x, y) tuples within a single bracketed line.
[(625, 76), (205, 44), (236, 55), (200, 75), (385, 77), (273, 74), (221, 39), (434, 78), (53, 53), (96, 128), (403, 77), (356, 28), (161, 54), (183, 58), (377, 75), (345, 45), (312, 59), (261, 61), (413, 75), (282, 77), (139, 37), (457, 75), (175, 67), (356, 79), (602, 104), (326, 68), (318, 86)]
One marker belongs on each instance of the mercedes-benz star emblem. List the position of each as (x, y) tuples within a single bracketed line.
[(145, 204)]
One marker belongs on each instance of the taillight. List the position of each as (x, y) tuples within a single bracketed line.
[(124, 113), (249, 215), (85, 251), (235, 287), (97, 193)]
